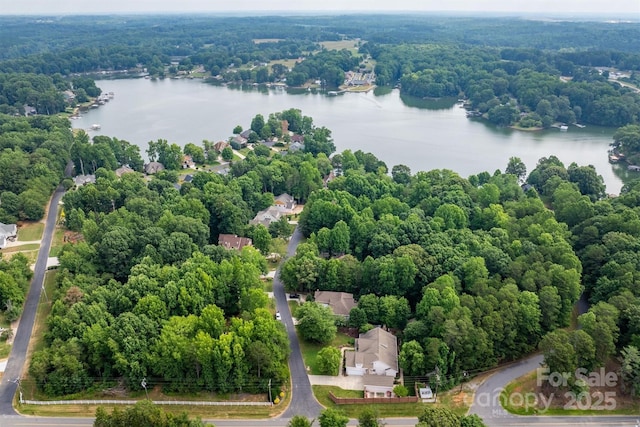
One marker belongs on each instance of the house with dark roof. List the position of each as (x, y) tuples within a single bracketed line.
[(340, 303), (376, 353), (231, 241), (245, 133)]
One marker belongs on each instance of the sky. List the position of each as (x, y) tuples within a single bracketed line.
[(619, 8)]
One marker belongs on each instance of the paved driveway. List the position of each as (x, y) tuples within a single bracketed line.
[(346, 382)]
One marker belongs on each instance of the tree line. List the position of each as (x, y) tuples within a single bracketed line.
[(525, 87)]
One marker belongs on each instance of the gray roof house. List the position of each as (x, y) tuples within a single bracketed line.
[(80, 180), (340, 303), (122, 170), (267, 216), (376, 353), (285, 202), (7, 232), (296, 146), (153, 167)]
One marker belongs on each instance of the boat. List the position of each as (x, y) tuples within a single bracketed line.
[(564, 128), (95, 126)]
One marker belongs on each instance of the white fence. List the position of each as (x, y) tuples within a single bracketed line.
[(133, 402)]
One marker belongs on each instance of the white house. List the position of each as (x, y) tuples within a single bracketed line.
[(7, 232), (376, 353), (378, 386)]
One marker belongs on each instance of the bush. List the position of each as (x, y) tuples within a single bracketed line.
[(401, 391)]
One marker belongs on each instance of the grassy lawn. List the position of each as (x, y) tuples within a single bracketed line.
[(30, 251), (57, 242), (385, 410), (310, 350), (268, 285), (30, 231), (522, 397), (21, 248), (204, 412), (289, 63)]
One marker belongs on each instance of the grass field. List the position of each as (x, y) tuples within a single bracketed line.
[(447, 400), (522, 396), (30, 231), (351, 45)]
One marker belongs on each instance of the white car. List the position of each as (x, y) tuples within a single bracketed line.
[(278, 317)]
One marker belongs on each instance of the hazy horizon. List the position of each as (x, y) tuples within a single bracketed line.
[(622, 9)]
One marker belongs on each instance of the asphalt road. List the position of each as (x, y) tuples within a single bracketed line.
[(303, 402), (486, 403), (15, 364)]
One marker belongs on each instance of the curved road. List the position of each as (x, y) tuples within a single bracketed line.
[(486, 403)]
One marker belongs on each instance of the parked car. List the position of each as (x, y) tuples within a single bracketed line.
[(294, 296), (278, 317)]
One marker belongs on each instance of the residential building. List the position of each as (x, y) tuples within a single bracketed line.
[(267, 216), (220, 145), (340, 303), (231, 241), (187, 162), (8, 232), (81, 180), (122, 170), (378, 385), (153, 167), (237, 142), (285, 202), (376, 353)]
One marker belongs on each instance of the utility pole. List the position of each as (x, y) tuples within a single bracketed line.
[(270, 391), (435, 395)]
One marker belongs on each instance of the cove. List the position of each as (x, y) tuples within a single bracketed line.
[(421, 134)]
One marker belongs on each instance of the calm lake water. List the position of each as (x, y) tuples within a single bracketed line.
[(423, 135)]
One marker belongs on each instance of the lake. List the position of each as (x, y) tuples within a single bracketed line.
[(421, 134)]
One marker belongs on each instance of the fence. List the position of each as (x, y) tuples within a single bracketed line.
[(133, 402), (369, 400)]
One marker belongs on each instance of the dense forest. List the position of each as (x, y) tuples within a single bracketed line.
[(469, 272)]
